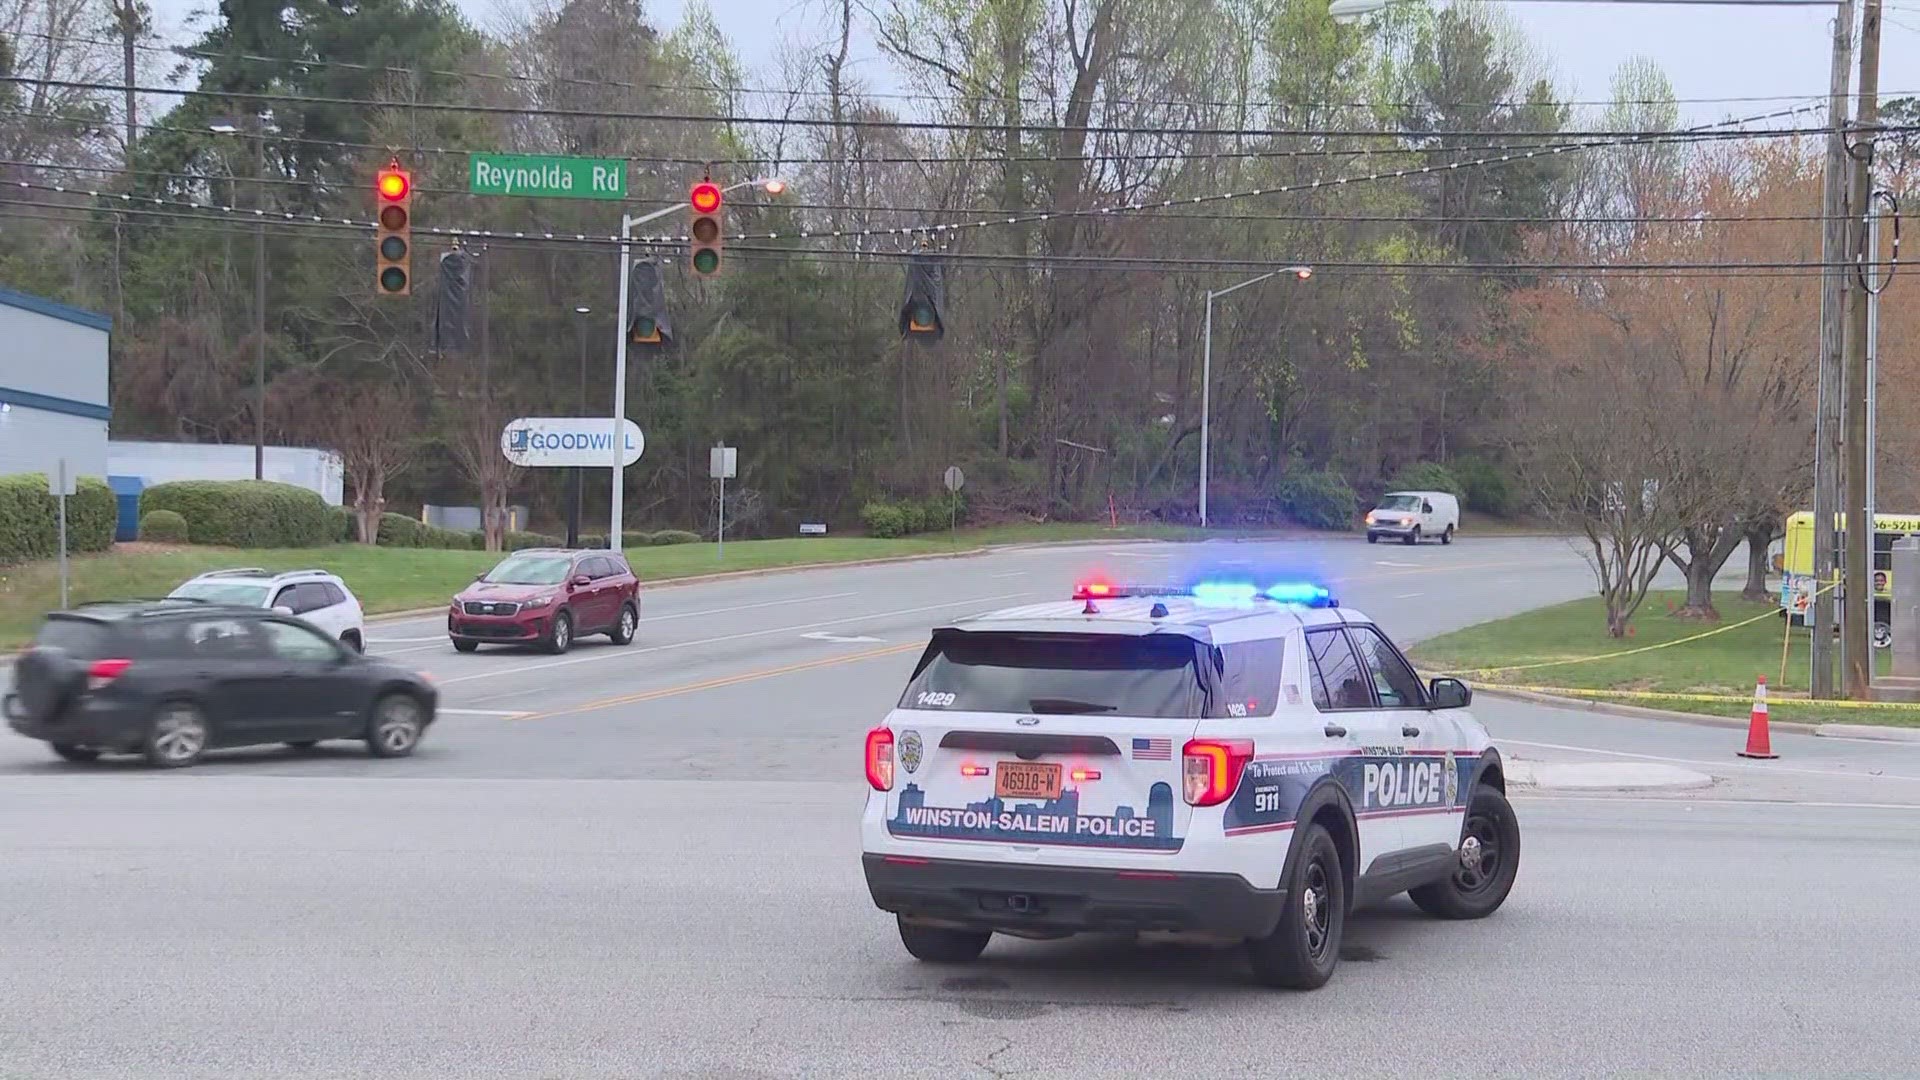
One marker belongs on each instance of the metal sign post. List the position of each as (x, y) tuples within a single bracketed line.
[(60, 486), (722, 461), (954, 479)]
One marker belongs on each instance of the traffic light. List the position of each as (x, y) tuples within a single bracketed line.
[(450, 307), (647, 322), (393, 236), (705, 252), (920, 314)]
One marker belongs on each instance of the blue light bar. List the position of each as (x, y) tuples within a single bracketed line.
[(1300, 592)]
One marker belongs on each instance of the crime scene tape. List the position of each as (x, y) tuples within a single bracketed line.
[(1773, 699)]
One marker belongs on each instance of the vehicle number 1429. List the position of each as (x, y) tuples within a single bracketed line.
[(934, 699)]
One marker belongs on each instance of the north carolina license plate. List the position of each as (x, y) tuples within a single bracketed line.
[(1026, 780)]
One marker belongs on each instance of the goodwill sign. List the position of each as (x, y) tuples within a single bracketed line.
[(561, 441)]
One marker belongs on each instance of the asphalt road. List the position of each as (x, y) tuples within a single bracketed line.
[(642, 861)]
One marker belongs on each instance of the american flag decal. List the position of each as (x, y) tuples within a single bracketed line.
[(1153, 749)]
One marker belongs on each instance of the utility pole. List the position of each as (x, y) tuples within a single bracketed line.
[(573, 474), (1833, 291), (1857, 649), (259, 298)]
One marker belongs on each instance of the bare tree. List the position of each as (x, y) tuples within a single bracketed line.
[(374, 428), (473, 424)]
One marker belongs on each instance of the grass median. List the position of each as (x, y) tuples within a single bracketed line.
[(1566, 647), (401, 579)]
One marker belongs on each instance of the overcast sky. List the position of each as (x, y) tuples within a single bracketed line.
[(1707, 51)]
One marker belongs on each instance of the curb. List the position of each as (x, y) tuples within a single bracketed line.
[(1638, 712), (1603, 776), (1874, 732)]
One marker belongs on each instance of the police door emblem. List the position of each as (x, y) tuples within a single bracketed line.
[(910, 751), (1452, 780)]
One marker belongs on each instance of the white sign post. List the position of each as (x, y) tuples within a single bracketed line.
[(60, 485), (722, 461), (954, 479), (554, 442)]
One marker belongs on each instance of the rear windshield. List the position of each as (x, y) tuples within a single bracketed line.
[(81, 638), (531, 570), (237, 593), (1399, 502), (1059, 674)]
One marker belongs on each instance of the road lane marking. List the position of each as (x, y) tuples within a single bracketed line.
[(645, 620), (1010, 573), (404, 640), (626, 654), (1387, 562), (822, 635), (508, 713), (1412, 595), (723, 681), (1682, 800), (1755, 766)]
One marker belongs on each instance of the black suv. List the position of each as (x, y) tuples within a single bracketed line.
[(170, 680)]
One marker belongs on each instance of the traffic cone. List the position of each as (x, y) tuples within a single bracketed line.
[(1759, 745)]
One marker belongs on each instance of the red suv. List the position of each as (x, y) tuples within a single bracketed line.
[(548, 597)]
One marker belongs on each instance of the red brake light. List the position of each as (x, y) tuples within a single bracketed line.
[(1081, 776), (880, 759), (102, 672), (973, 770), (1211, 769)]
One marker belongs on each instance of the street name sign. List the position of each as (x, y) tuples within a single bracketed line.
[(542, 176), (548, 442)]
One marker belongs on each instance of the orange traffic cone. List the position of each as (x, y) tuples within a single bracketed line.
[(1759, 745)]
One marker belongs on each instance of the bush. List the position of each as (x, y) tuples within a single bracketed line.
[(1486, 485), (673, 536), (345, 526), (163, 527), (883, 520), (1318, 500), (244, 513), (635, 539), (1428, 476), (907, 517), (517, 541), (30, 518), (401, 531)]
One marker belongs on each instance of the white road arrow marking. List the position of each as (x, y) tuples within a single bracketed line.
[(821, 635), (1383, 562)]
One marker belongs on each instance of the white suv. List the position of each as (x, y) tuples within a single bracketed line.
[(1242, 763), (316, 596)]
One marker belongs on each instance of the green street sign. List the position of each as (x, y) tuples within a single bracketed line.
[(544, 176)]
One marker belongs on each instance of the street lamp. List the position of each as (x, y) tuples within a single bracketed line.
[(1206, 375), (772, 185), (225, 125)]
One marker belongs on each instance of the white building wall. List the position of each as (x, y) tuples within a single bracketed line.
[(53, 387)]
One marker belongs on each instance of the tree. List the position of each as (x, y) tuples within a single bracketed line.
[(471, 424), (374, 427)]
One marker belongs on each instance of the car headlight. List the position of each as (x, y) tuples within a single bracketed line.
[(539, 601)]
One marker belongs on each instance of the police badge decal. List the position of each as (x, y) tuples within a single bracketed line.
[(910, 750), (1452, 779)]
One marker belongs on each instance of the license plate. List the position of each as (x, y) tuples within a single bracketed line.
[(1026, 780)]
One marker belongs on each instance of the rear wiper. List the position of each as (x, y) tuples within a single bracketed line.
[(1066, 705)]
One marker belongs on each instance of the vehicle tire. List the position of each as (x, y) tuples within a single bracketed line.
[(75, 752), (625, 626), (396, 725), (303, 744), (560, 638), (1447, 537), (460, 645), (1413, 537), (177, 737), (1489, 862), (1304, 948), (351, 639), (1373, 538), (941, 945)]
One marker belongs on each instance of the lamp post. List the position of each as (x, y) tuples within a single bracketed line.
[(251, 126), (1206, 375), (772, 186), (573, 474)]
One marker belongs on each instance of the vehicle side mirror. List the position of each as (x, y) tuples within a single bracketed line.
[(282, 609), (1449, 693), (1426, 508), (481, 576), (581, 581)]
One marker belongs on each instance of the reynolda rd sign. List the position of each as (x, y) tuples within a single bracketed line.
[(548, 177)]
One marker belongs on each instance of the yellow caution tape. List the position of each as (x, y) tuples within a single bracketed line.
[(1582, 692)]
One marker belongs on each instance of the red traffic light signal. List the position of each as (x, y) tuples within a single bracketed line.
[(394, 184), (705, 197), (704, 252), (393, 232)]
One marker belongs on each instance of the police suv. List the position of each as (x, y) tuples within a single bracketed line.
[(1239, 762)]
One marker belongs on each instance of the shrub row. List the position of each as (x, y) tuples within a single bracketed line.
[(907, 516), (245, 513), (401, 531), (1318, 500), (163, 527), (30, 518)]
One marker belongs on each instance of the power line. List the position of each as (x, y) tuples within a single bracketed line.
[(894, 125)]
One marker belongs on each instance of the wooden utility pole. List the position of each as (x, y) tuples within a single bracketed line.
[(1856, 616), (1833, 292)]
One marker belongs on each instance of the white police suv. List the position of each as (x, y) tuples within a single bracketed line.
[(1242, 762)]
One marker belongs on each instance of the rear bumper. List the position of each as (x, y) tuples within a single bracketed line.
[(1068, 898), (84, 723)]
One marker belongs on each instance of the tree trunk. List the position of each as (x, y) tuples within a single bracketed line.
[(1758, 537), (1699, 603)]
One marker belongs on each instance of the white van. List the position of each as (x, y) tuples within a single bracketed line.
[(1410, 515)]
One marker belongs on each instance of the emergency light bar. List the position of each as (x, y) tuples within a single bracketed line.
[(1303, 593)]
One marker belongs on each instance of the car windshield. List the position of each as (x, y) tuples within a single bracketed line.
[(530, 570), (242, 594), (1399, 502), (1058, 674)]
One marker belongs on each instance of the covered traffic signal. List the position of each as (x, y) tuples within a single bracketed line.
[(920, 314), (647, 322), (704, 254), (393, 233), (450, 308)]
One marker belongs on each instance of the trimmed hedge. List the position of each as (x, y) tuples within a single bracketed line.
[(245, 513), (517, 541), (30, 518), (1428, 476), (666, 537), (401, 531), (163, 527), (345, 526), (909, 516), (1318, 500)]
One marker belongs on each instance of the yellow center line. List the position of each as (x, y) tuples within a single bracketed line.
[(725, 680)]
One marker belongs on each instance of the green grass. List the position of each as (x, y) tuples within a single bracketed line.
[(401, 579), (1725, 663)]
